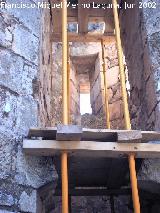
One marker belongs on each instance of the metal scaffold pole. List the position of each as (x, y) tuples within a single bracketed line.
[(131, 157), (64, 156), (68, 80), (105, 88)]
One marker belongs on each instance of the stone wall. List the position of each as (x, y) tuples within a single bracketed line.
[(97, 120), (150, 171), (140, 34), (74, 95), (46, 78), (96, 87), (30, 96), (20, 175), (114, 89)]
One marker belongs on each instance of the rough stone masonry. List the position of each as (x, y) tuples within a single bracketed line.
[(20, 175), (25, 102)]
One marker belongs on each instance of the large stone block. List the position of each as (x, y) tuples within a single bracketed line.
[(149, 14), (154, 46), (112, 76), (79, 49), (7, 159), (149, 175), (34, 171), (116, 110), (6, 199), (29, 17), (25, 44), (28, 78), (153, 24), (11, 70), (8, 115), (27, 114), (28, 202), (111, 51), (5, 33)]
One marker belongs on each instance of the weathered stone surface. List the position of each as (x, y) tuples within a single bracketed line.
[(28, 202), (34, 171), (79, 49), (150, 170), (7, 109), (116, 110), (30, 17), (5, 33), (19, 43), (18, 113), (25, 44), (7, 153), (112, 76), (6, 199), (154, 46), (157, 82), (19, 57), (27, 113), (11, 70)]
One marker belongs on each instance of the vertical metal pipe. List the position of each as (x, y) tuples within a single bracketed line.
[(133, 177), (64, 174), (68, 81), (135, 195), (105, 88), (64, 61), (64, 169)]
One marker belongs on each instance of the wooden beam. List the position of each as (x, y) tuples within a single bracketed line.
[(88, 37), (99, 134), (82, 17), (109, 22), (129, 136), (69, 132), (91, 148), (56, 18)]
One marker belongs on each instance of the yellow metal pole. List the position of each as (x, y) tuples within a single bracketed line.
[(68, 81), (105, 88), (64, 169), (135, 195), (64, 182)]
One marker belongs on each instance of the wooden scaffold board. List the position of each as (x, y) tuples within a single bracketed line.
[(103, 142)]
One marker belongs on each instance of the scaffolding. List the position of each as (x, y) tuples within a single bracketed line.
[(69, 139)]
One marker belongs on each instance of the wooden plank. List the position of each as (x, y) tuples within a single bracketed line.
[(91, 148), (111, 135), (99, 134), (78, 37), (69, 132), (56, 17), (150, 136), (82, 17), (44, 132), (109, 22), (129, 136)]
